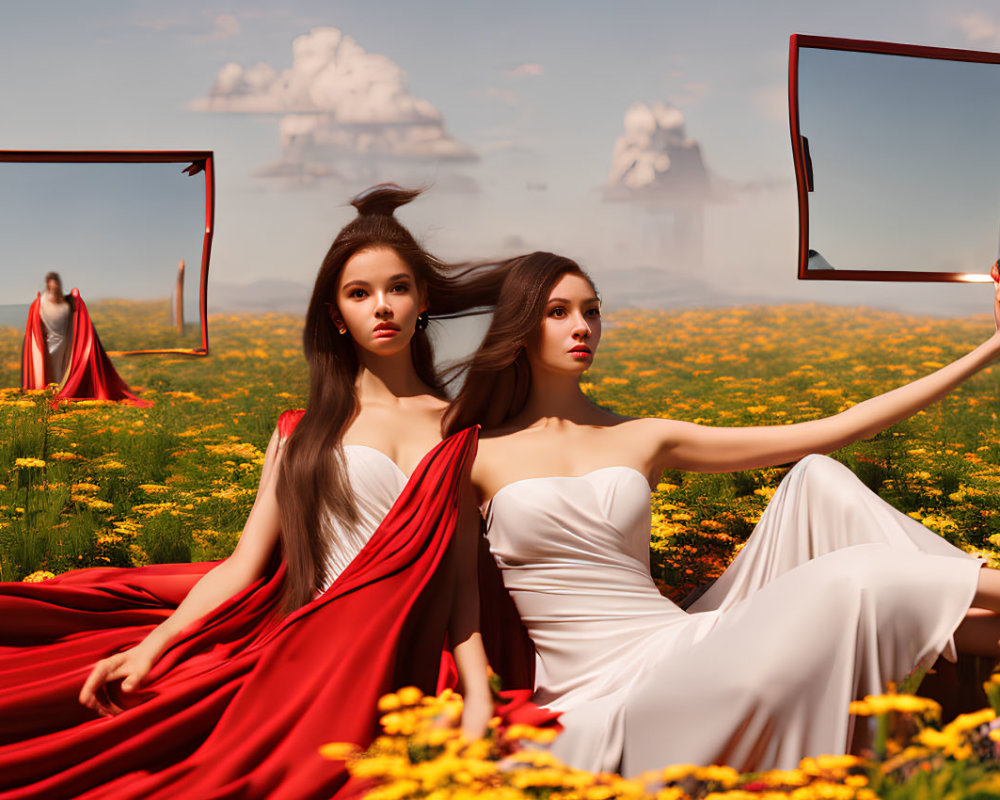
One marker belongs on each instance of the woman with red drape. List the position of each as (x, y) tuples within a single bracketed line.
[(61, 346), (355, 568)]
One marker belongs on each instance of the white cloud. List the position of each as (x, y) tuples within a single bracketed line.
[(304, 134), (979, 29), (330, 73), (655, 157), (525, 71), (336, 98)]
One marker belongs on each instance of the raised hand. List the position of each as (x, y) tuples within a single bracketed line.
[(995, 274)]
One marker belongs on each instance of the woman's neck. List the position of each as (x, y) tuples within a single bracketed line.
[(557, 396), (388, 378)]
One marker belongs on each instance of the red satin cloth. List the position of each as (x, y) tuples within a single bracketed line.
[(90, 375), (238, 706)]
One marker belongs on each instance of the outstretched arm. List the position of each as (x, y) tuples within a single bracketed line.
[(463, 626), (226, 579), (684, 445)]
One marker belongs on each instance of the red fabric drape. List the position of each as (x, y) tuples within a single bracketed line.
[(90, 375), (239, 705), (33, 348)]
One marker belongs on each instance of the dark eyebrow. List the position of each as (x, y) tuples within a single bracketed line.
[(359, 282), (564, 301)]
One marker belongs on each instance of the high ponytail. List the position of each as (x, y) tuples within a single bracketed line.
[(383, 199)]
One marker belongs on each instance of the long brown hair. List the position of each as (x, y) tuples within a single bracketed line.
[(498, 377), (312, 480)]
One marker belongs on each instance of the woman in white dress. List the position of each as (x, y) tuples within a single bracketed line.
[(835, 594), (57, 317)]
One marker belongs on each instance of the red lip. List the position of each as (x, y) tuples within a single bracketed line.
[(581, 350), (384, 330)]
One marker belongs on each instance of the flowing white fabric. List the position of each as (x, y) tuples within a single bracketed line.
[(834, 595), (376, 481), (56, 318)]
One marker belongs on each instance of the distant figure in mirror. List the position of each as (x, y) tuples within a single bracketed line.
[(56, 312), (61, 346)]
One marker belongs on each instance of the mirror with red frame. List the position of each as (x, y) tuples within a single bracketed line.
[(896, 157)]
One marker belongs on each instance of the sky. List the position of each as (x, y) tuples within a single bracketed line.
[(576, 126)]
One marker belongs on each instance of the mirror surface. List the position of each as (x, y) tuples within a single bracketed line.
[(905, 161), (116, 232)]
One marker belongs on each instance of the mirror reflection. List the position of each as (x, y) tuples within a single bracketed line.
[(905, 167), (128, 236)]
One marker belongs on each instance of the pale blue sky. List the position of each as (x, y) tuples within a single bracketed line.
[(124, 74)]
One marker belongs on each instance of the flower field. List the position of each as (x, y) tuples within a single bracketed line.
[(102, 484), (94, 484)]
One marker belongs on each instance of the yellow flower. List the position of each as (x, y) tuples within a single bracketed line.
[(531, 734), (339, 751), (409, 695), (91, 502), (38, 576), (967, 722), (726, 776), (677, 772), (393, 791), (85, 487), (29, 463), (873, 705)]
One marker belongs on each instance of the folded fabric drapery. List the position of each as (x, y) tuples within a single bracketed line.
[(239, 705), (90, 374)]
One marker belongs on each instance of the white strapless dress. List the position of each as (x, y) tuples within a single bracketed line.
[(376, 481), (834, 595)]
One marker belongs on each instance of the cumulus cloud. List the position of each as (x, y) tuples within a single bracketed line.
[(654, 159), (336, 98), (979, 29)]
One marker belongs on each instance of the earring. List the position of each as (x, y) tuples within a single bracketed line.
[(422, 320), (339, 325)]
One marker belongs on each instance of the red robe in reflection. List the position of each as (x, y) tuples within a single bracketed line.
[(239, 704), (90, 374)]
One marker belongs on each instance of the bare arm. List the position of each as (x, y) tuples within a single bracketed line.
[(463, 625), (226, 579), (684, 445)]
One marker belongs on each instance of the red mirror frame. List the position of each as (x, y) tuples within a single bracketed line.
[(200, 160), (803, 171)]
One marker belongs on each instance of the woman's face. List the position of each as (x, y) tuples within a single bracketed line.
[(571, 328), (378, 301), (52, 287)]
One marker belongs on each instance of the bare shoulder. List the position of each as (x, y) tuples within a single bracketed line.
[(651, 429)]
